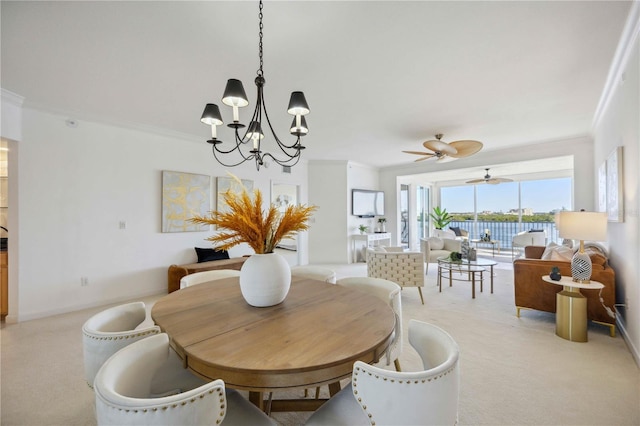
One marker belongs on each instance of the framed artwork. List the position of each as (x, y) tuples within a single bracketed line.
[(284, 195), (615, 195), (602, 187), (228, 183), (184, 195)]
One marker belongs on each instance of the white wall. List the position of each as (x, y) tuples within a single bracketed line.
[(77, 184), (328, 233), (618, 124)]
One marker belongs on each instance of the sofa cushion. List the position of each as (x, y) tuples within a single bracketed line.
[(209, 254), (598, 259), (436, 243)]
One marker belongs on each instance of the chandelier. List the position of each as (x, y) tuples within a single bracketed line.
[(249, 145)]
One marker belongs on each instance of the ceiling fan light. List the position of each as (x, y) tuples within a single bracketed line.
[(446, 159)]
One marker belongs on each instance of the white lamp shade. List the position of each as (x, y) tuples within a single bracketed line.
[(582, 225)]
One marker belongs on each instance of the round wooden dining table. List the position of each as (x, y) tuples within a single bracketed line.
[(311, 339)]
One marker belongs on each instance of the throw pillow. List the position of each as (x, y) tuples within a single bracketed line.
[(208, 254), (436, 243), (556, 252), (562, 253), (546, 255), (456, 230)]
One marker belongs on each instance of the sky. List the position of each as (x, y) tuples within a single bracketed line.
[(541, 195)]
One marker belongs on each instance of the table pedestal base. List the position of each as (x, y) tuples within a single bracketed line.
[(571, 316)]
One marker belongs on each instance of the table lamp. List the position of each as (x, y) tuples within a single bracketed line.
[(582, 226)]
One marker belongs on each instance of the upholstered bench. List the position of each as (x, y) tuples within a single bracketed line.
[(176, 272)]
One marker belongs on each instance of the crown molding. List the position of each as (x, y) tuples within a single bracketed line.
[(12, 98), (624, 50)]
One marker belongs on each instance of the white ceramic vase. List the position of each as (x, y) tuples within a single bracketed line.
[(265, 279)]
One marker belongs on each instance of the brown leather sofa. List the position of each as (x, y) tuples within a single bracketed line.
[(531, 292), (176, 272)]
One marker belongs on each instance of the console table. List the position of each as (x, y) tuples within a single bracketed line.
[(493, 243), (370, 240)]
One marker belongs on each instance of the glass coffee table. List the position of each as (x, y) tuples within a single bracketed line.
[(469, 270)]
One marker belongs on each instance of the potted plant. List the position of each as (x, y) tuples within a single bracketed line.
[(455, 256), (382, 221), (441, 217), (363, 229), (266, 276)]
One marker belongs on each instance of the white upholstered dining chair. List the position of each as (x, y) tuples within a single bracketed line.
[(315, 273), (146, 384), (204, 276), (383, 397), (389, 292), (108, 331)]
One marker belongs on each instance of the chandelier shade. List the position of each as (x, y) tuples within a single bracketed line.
[(248, 146)]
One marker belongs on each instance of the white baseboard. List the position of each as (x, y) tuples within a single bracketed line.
[(623, 332)]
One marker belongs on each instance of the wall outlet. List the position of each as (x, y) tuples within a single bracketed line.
[(84, 281), (122, 225)]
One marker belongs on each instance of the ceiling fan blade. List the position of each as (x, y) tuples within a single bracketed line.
[(502, 180), (475, 181), (493, 181), (465, 148), (424, 158), (439, 146), (419, 153)]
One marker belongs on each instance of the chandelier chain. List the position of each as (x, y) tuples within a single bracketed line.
[(260, 72)]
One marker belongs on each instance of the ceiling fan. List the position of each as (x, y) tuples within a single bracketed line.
[(445, 152), (490, 180)]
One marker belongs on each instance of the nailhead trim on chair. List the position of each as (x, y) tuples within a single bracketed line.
[(354, 384), (127, 336), (174, 405)]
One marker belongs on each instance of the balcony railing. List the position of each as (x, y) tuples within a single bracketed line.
[(504, 231)]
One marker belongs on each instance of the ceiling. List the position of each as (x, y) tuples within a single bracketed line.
[(380, 77)]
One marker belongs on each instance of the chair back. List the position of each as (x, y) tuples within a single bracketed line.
[(109, 331), (428, 397), (204, 276), (315, 273), (388, 292), (124, 394), (403, 268), (527, 238)]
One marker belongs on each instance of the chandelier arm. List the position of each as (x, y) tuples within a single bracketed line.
[(280, 144), (225, 164), (234, 96), (284, 162)]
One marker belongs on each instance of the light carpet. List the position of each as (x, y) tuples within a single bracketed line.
[(514, 371)]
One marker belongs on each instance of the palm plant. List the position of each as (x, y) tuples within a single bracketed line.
[(440, 217)]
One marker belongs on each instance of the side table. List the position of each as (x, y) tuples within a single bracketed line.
[(494, 244), (571, 308)]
